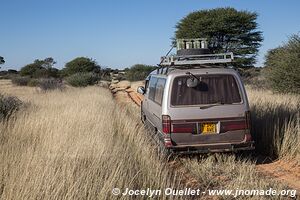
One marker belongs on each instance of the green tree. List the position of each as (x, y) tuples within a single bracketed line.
[(282, 66), (2, 61), (81, 65), (31, 69), (139, 72), (40, 69), (226, 29)]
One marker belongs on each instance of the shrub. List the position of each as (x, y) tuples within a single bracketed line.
[(33, 82), (21, 81), (82, 79), (81, 65), (8, 76), (139, 72), (8, 105), (50, 84), (40, 69), (255, 77), (282, 66), (31, 70)]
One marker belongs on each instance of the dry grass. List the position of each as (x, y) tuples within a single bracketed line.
[(276, 123), (229, 171), (78, 144)]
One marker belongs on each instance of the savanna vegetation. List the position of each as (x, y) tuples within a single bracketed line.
[(282, 66), (76, 142), (2, 61), (93, 145), (79, 72), (227, 30), (138, 72)]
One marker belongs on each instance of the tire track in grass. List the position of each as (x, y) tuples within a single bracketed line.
[(126, 96)]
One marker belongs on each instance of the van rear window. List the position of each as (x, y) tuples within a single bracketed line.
[(212, 89)]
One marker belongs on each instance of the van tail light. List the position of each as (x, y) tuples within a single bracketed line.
[(166, 124), (233, 125), (184, 128)]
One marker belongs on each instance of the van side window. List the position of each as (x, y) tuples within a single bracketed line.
[(159, 92), (152, 86)]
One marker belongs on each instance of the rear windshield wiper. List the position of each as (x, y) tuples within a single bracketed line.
[(211, 105)]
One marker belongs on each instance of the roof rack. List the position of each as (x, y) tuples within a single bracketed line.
[(190, 60), (193, 53)]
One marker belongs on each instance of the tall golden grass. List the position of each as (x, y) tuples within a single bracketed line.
[(76, 144), (79, 144), (276, 123)]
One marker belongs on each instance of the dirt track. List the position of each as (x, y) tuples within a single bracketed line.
[(283, 171), (125, 94)]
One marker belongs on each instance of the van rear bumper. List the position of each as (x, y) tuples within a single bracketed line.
[(213, 148)]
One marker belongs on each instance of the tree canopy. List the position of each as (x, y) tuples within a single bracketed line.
[(40, 69), (282, 66), (2, 61), (139, 72), (81, 65), (226, 29)]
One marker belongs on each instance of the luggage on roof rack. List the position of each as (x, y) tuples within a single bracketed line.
[(192, 53)]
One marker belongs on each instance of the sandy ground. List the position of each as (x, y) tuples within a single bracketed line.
[(284, 171), (125, 92)]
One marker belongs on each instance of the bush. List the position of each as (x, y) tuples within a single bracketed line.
[(33, 82), (50, 84), (282, 66), (21, 81), (8, 105), (139, 72), (8, 76), (40, 69), (31, 70), (255, 77), (81, 65), (82, 79)]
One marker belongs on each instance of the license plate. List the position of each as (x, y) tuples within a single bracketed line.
[(208, 128)]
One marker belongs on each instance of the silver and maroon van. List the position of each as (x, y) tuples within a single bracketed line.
[(197, 105)]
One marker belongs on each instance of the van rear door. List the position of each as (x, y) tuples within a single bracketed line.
[(212, 112)]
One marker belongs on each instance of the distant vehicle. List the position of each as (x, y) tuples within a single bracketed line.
[(196, 104)]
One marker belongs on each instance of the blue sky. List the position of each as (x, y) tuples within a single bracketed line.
[(119, 34)]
